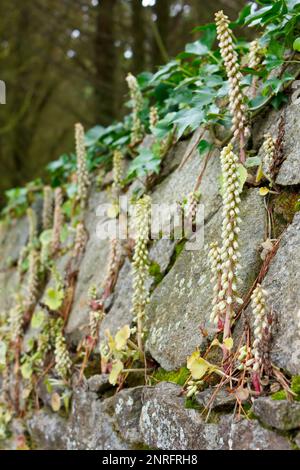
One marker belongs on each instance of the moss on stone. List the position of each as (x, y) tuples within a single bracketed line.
[(285, 207), (191, 404), (154, 271), (295, 387)]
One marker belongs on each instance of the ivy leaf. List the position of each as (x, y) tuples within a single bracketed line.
[(93, 135), (37, 319), (188, 118), (116, 370), (54, 298), (197, 48), (122, 337), (144, 164), (204, 146), (242, 172), (252, 161)]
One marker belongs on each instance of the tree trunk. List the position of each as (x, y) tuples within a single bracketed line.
[(105, 61)]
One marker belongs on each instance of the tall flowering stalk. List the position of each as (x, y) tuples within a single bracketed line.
[(261, 334), (254, 56), (236, 96), (80, 240), (136, 96), (117, 170), (269, 155), (58, 220), (63, 361), (214, 257), (141, 264), (153, 117), (83, 180), (96, 315), (225, 261), (112, 266), (47, 208)]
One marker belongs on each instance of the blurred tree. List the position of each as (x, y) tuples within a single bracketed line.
[(66, 60)]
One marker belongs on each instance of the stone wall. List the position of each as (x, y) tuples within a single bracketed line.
[(178, 315)]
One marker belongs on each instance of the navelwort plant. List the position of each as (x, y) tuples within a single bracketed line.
[(137, 131), (269, 155), (229, 252), (140, 264), (83, 180), (63, 363), (58, 220), (47, 208), (262, 335), (236, 96), (80, 240)]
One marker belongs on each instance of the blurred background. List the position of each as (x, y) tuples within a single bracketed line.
[(65, 61)]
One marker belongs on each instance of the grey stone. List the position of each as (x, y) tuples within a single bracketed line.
[(92, 267), (182, 181), (279, 414), (297, 439), (161, 253), (128, 406), (166, 424), (181, 304), (12, 239), (282, 283), (47, 430), (246, 434), (289, 172), (99, 383), (92, 424), (8, 285), (222, 399), (120, 313)]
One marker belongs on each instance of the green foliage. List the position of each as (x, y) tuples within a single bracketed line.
[(146, 163), (178, 376)]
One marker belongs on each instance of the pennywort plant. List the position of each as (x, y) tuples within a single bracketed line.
[(83, 180), (237, 100), (140, 264)]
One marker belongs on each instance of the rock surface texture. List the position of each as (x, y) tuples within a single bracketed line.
[(177, 316)]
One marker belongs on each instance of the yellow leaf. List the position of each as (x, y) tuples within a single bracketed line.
[(110, 341), (263, 191), (259, 174), (215, 342), (198, 366), (55, 402), (122, 337), (242, 174), (116, 370), (228, 343)]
